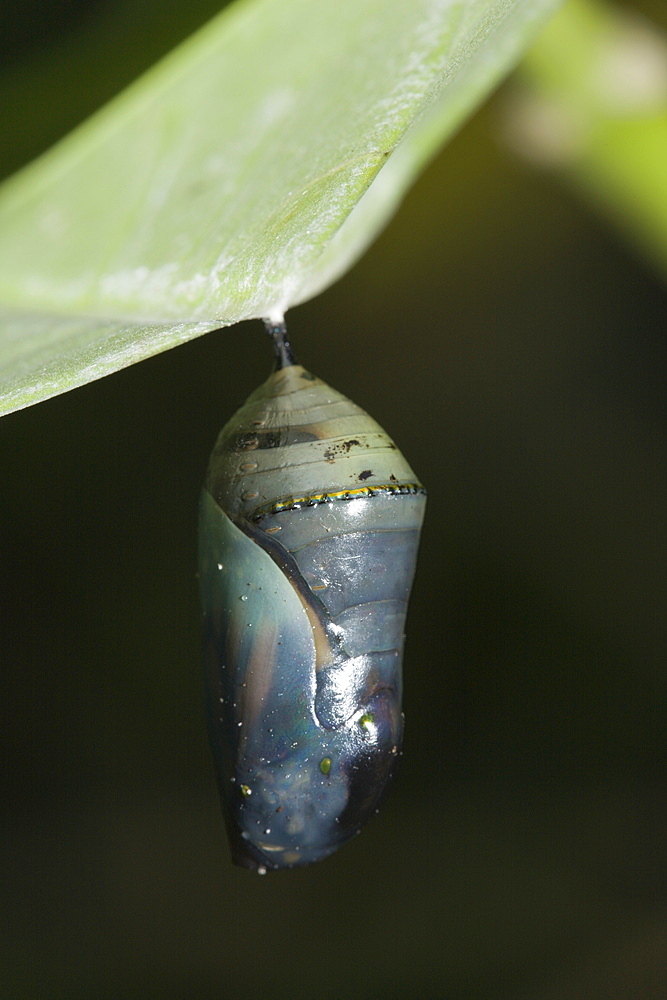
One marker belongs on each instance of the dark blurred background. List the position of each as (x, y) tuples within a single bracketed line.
[(516, 351)]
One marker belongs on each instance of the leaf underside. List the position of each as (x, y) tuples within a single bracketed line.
[(243, 174)]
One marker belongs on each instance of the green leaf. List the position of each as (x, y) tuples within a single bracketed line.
[(243, 174)]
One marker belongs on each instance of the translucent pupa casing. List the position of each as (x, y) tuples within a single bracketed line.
[(309, 528)]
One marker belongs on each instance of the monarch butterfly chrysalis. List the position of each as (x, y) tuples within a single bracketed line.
[(309, 529)]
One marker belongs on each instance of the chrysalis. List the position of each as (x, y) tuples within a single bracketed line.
[(309, 528)]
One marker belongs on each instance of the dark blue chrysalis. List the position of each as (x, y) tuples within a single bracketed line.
[(309, 529)]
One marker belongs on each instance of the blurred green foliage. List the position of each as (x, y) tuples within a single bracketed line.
[(600, 115), (516, 351)]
